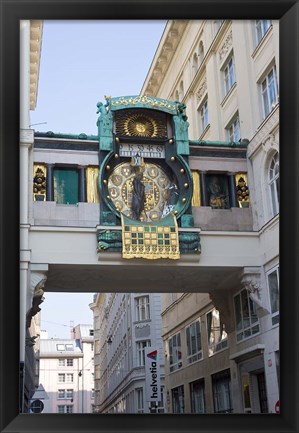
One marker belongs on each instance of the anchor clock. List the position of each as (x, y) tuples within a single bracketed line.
[(145, 181)]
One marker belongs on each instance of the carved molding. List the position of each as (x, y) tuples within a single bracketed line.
[(36, 301), (270, 142), (30, 341), (226, 46), (266, 133), (202, 89), (26, 137)]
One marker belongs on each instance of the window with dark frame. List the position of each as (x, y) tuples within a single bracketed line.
[(178, 404), (193, 341), (197, 396), (175, 352), (247, 322), (221, 384), (273, 285)]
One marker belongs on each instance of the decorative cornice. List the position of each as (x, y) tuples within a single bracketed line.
[(36, 30), (165, 52)]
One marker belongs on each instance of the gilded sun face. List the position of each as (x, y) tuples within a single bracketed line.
[(140, 127)]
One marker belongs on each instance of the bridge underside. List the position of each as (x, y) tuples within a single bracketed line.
[(141, 277)]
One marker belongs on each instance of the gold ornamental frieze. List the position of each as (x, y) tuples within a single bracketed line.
[(145, 101)]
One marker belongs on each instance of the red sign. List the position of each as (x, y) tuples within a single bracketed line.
[(277, 407)]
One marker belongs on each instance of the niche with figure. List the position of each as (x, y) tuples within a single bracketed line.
[(217, 191)]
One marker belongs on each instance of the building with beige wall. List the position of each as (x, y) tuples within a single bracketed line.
[(125, 324), (227, 74)]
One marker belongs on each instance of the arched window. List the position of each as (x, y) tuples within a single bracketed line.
[(274, 183), (177, 96)]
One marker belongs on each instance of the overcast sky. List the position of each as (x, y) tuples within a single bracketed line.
[(81, 61)]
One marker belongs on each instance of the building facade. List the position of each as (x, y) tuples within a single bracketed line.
[(84, 337), (125, 325), (226, 72), (30, 289), (66, 372)]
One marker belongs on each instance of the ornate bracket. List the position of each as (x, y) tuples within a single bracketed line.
[(30, 341), (251, 281), (36, 301)]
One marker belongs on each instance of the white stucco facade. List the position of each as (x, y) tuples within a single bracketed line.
[(230, 66)]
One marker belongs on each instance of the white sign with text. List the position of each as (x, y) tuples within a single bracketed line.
[(152, 375)]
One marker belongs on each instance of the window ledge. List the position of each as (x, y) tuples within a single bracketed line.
[(137, 322), (204, 131), (219, 351), (265, 119), (262, 42), (229, 93), (250, 352)]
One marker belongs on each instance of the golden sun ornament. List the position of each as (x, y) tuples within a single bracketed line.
[(139, 125)]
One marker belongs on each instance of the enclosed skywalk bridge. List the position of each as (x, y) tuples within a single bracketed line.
[(71, 263)]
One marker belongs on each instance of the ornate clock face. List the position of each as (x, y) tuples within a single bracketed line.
[(156, 186)]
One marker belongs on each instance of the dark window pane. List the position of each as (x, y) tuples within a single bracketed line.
[(66, 185)]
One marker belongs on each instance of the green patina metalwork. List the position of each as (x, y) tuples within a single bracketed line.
[(111, 241), (187, 221), (105, 125), (51, 134), (237, 144), (189, 242), (181, 129)]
